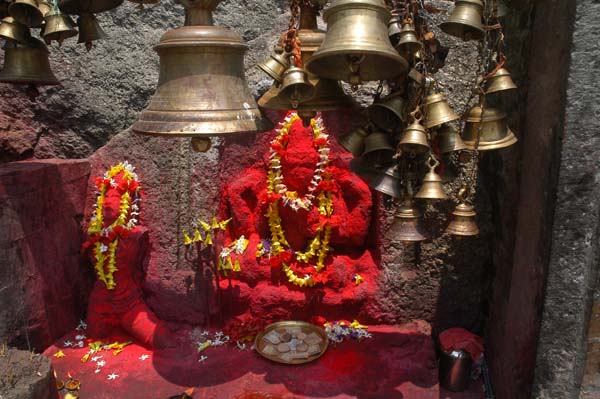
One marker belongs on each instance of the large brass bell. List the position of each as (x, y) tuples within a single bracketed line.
[(378, 149), (58, 26), (432, 184), (387, 182), (408, 42), (295, 86), (27, 64), (276, 65), (354, 141), (407, 224), (487, 129), (328, 95), (202, 90), (89, 30), (500, 81), (357, 47), (26, 12), (465, 20), (448, 140), (389, 113), (79, 7), (12, 30), (438, 111), (414, 138)]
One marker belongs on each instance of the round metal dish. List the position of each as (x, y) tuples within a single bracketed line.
[(306, 328)]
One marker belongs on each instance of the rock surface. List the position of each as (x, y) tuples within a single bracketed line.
[(26, 375), (43, 290)]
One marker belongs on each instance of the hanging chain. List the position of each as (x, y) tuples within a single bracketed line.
[(292, 44)]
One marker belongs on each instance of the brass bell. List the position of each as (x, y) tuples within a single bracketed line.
[(448, 140), (408, 43), (432, 184), (499, 81), (80, 7), (45, 7), (364, 169), (394, 29), (438, 111), (414, 138), (11, 29), (202, 90), (295, 86), (26, 12), (490, 128), (465, 20), (389, 113), (407, 224), (58, 26), (328, 95), (354, 141), (387, 182), (276, 65), (357, 47), (89, 30), (27, 64), (378, 150), (463, 220)]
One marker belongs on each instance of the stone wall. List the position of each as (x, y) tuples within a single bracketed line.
[(43, 288)]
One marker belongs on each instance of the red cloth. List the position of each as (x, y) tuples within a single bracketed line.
[(458, 338)]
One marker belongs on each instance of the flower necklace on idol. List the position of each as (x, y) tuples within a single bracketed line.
[(106, 239), (320, 188)]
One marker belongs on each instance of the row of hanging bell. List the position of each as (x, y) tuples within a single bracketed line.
[(202, 90), (357, 47), (327, 95)]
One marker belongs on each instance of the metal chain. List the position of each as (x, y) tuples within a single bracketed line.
[(292, 26)]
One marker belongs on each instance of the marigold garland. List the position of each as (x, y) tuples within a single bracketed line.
[(106, 239), (277, 192)]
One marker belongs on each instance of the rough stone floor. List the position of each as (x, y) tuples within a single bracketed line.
[(397, 363)]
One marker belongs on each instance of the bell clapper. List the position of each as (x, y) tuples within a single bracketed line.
[(201, 144)]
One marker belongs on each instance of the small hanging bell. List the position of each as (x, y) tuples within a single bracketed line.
[(500, 81), (394, 29), (45, 7), (58, 26), (354, 142), (407, 224), (414, 138), (80, 7), (432, 184), (89, 30), (26, 12), (357, 47), (438, 111), (276, 65), (465, 20), (27, 64), (448, 140), (295, 86), (490, 128), (12, 30), (409, 43), (463, 220), (387, 181), (378, 150), (389, 113)]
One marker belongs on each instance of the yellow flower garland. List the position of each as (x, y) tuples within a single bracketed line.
[(319, 245), (107, 255)]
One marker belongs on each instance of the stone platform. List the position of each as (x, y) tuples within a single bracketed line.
[(397, 363)]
